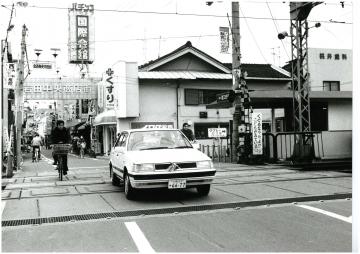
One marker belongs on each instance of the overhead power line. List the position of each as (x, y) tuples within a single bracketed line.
[(181, 14), (277, 30), (252, 35)]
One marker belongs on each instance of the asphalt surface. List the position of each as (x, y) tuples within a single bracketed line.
[(249, 208)]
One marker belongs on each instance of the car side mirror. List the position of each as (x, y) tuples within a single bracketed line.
[(196, 146)]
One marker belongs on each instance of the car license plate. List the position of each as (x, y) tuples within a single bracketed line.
[(177, 184)]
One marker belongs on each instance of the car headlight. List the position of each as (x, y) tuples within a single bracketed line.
[(204, 164), (146, 167)]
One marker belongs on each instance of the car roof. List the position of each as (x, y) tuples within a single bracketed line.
[(149, 129)]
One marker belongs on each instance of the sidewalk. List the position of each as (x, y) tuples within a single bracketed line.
[(36, 193)]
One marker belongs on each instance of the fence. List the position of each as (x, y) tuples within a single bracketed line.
[(285, 146), (223, 153), (293, 145)]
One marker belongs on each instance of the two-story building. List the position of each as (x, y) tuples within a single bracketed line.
[(178, 87)]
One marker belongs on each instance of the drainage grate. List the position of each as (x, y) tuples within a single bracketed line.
[(195, 208)]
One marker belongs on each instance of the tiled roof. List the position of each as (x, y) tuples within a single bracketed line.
[(260, 70), (254, 70), (186, 45)]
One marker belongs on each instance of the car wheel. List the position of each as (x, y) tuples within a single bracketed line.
[(114, 179), (129, 190), (203, 190)]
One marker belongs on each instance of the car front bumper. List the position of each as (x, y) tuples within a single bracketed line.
[(161, 180)]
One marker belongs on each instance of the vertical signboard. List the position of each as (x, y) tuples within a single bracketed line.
[(10, 76), (109, 89), (256, 125), (224, 40), (81, 33)]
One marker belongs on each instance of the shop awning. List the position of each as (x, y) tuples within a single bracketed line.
[(105, 118)]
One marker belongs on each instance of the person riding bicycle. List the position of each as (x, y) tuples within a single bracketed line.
[(36, 143), (82, 146), (60, 135)]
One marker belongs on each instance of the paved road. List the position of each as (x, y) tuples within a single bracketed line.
[(248, 209), (285, 228)]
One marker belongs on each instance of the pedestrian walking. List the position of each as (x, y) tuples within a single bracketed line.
[(188, 132)]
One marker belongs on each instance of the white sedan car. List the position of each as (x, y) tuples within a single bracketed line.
[(159, 158)]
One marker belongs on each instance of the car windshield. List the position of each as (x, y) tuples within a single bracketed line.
[(157, 139)]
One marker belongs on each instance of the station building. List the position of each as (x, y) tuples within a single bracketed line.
[(183, 85)]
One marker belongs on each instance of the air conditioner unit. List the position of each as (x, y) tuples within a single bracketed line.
[(203, 114)]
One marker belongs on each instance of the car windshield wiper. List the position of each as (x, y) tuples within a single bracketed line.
[(180, 147), (154, 148)]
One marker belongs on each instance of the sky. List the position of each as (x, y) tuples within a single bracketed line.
[(138, 30)]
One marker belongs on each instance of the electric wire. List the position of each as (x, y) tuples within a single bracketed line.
[(177, 13), (252, 35), (277, 30)]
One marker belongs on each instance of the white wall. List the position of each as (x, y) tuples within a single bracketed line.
[(340, 115), (157, 103), (330, 69)]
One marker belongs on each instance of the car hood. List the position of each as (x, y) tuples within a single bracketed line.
[(167, 155)]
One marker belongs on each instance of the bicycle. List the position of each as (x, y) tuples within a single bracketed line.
[(60, 151), (36, 156), (37, 153)]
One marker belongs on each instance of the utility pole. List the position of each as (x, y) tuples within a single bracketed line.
[(299, 30), (241, 135), (235, 30), (5, 101), (19, 98)]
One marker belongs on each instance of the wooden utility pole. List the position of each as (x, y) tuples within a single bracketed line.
[(19, 94), (235, 30), (242, 109)]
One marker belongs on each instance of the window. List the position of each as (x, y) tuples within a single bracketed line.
[(201, 129), (201, 96), (322, 56), (337, 57), (331, 85), (328, 56), (191, 97), (85, 106), (344, 57)]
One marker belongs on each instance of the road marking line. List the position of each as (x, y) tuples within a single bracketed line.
[(334, 215), (3, 204), (139, 238)]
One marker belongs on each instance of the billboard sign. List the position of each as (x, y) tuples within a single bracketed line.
[(256, 125), (55, 89), (81, 33)]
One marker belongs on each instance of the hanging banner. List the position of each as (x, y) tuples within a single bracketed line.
[(256, 126), (10, 75), (56, 89), (224, 40)]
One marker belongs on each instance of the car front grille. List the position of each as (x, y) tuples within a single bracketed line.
[(163, 166)]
